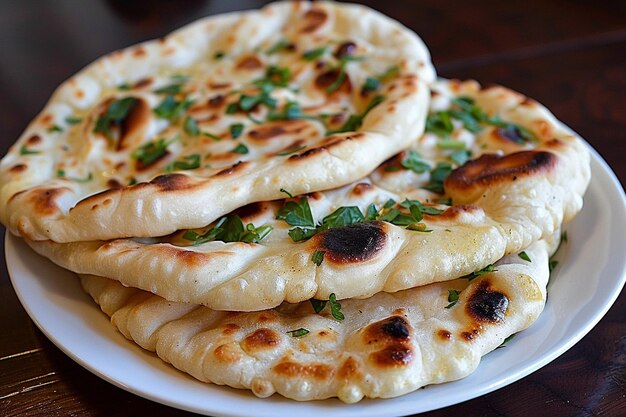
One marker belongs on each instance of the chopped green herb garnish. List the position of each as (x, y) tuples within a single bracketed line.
[(172, 109), (240, 149), (485, 270), (132, 181), (341, 76), (73, 120), (191, 127), (187, 162), (313, 54), (229, 229), (274, 77), (451, 144), (124, 87), (180, 78), (343, 216), (371, 84), (453, 297), (415, 163), (473, 118), (355, 121), (236, 129), (281, 45), (524, 256), (152, 151), (298, 333), (438, 176), (335, 307), (55, 129), (25, 151), (460, 157), (318, 305), (219, 55), (212, 136), (172, 89), (318, 257), (296, 214), (389, 73), (114, 116)]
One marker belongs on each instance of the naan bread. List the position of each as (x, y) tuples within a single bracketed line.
[(221, 113), (386, 346), (515, 193)]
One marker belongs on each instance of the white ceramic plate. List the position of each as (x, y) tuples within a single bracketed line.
[(591, 275)]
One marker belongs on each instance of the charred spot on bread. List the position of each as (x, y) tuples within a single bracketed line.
[(313, 20), (352, 244), (392, 356), (328, 78), (172, 182), (236, 168), (261, 339), (249, 62), (43, 200), (486, 304), (490, 169), (392, 329)]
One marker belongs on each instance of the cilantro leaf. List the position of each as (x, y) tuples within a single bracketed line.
[(335, 307), (297, 214), (115, 115), (313, 54), (415, 163), (236, 129), (230, 229), (453, 297), (191, 127), (188, 162), (298, 333), (172, 109), (25, 151), (152, 151), (318, 305), (240, 149), (318, 257), (524, 256), (355, 121)]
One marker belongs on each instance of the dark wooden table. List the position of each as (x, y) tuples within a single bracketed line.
[(569, 55)]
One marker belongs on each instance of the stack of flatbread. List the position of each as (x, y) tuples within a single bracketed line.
[(288, 200)]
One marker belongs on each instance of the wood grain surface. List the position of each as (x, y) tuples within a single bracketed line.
[(568, 55)]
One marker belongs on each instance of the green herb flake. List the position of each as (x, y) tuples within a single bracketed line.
[(55, 129), (151, 152), (355, 121), (281, 45), (25, 151), (451, 144), (296, 213), (318, 305), (191, 127), (453, 297), (415, 163), (172, 89), (460, 157), (485, 270), (236, 129), (335, 307), (240, 149), (313, 54), (219, 55), (187, 162), (298, 333), (230, 229), (438, 176), (73, 120), (371, 84), (389, 73), (524, 256), (318, 257), (212, 136), (116, 113), (172, 109)]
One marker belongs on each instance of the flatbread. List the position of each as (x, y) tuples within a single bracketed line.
[(221, 113), (386, 346), (515, 193)]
